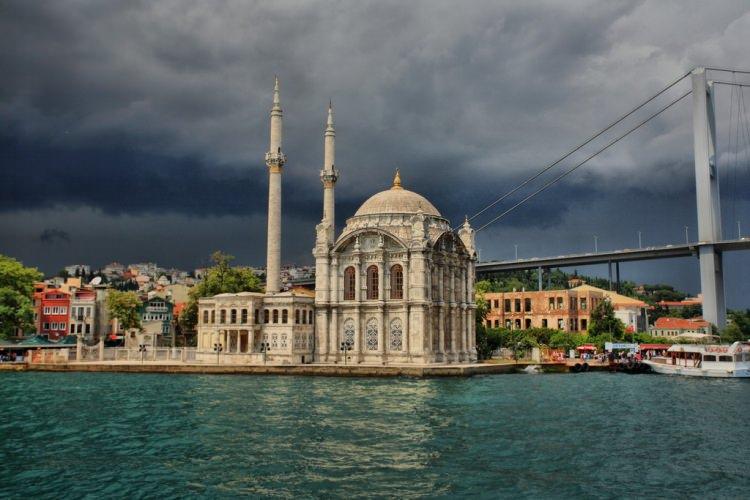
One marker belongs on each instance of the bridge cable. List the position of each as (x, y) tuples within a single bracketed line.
[(598, 134), (571, 170), (725, 70)]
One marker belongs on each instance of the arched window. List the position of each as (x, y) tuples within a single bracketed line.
[(233, 316), (296, 316), (349, 331), (372, 283), (266, 316), (397, 282), (243, 317), (213, 316), (397, 336), (285, 316), (371, 334), (275, 315), (310, 316), (205, 317), (350, 283), (223, 316), (256, 316)]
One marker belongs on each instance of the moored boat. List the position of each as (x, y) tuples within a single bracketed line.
[(704, 360)]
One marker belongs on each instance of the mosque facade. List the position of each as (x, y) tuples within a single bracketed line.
[(396, 286)]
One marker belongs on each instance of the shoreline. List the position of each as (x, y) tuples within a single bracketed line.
[(320, 370)]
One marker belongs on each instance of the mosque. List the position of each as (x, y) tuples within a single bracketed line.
[(395, 287)]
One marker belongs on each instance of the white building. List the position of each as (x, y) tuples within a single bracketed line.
[(395, 287)]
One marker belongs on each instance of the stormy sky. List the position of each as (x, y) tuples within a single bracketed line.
[(135, 131)]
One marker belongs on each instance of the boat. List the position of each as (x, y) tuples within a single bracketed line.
[(704, 360)]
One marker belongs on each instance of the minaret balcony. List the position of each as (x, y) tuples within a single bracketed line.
[(328, 177), (275, 159)]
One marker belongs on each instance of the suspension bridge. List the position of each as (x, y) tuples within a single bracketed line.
[(710, 246)]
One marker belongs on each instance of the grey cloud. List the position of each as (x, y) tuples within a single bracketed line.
[(53, 235)]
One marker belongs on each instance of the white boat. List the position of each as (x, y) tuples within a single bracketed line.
[(704, 360)]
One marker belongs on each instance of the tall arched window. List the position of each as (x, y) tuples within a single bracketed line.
[(350, 283), (213, 316), (275, 315), (349, 331), (372, 283), (296, 316), (266, 316), (310, 316), (397, 282), (243, 316), (233, 316), (223, 316), (256, 317), (205, 317), (285, 316)]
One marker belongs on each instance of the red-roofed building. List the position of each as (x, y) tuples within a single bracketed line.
[(671, 327), (680, 304), (54, 317)]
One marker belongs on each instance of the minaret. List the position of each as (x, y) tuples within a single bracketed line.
[(275, 161), (329, 175)]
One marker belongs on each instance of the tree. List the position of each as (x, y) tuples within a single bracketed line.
[(603, 321), (16, 288), (124, 306), (732, 333), (63, 273), (220, 278)]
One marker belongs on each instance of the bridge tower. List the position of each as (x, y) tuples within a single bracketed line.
[(707, 195)]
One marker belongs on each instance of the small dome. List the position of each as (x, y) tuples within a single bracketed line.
[(397, 200)]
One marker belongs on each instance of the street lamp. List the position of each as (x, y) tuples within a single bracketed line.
[(516, 251), (218, 348), (687, 237), (345, 348), (596, 244), (142, 350), (640, 245), (264, 348)]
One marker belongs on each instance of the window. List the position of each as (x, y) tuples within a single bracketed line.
[(497, 323), (88, 328), (73, 328), (310, 317), (243, 317), (583, 303), (256, 316), (497, 303), (213, 316), (233, 316), (46, 326), (79, 328), (275, 315), (518, 324), (584, 324), (349, 331), (507, 324), (350, 283), (527, 305), (517, 304), (371, 332), (372, 283), (285, 316), (397, 283), (560, 324), (396, 335), (559, 302), (544, 323), (725, 359), (223, 316), (506, 304), (296, 316), (205, 317), (551, 304), (709, 357), (528, 323), (266, 316)]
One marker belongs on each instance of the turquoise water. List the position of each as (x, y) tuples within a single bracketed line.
[(72, 435)]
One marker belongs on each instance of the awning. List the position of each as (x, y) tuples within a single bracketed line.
[(650, 347)]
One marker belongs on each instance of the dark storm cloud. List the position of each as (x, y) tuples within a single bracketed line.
[(160, 109), (51, 235)]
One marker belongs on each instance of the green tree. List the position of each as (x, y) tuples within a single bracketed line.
[(16, 289), (732, 333), (124, 306), (220, 278), (603, 321)]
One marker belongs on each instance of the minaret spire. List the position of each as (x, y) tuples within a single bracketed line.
[(329, 175), (275, 160)]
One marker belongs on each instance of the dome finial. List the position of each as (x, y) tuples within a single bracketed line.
[(397, 181)]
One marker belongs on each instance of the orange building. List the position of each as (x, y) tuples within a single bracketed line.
[(566, 310)]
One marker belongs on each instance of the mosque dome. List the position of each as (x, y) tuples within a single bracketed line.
[(397, 200)]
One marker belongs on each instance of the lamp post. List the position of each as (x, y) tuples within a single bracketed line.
[(640, 245), (218, 348), (596, 244), (264, 348), (687, 237), (142, 350), (516, 246), (345, 348)]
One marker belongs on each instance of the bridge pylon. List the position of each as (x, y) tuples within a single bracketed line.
[(707, 197)]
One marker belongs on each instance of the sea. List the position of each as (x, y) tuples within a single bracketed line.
[(588, 435)]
